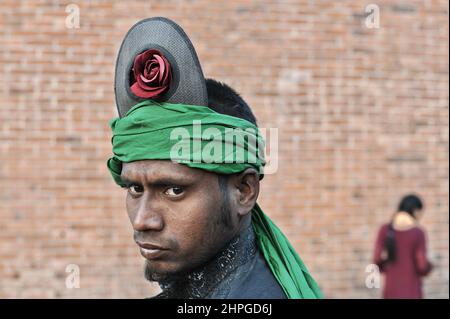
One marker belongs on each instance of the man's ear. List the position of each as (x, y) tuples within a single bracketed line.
[(246, 190)]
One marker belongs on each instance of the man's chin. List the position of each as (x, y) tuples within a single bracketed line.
[(154, 273)]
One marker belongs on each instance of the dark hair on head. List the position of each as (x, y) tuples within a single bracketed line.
[(409, 204), (223, 99)]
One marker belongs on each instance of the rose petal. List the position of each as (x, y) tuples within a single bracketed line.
[(151, 70), (144, 79), (154, 72), (147, 68), (145, 82), (162, 66), (138, 91), (167, 78)]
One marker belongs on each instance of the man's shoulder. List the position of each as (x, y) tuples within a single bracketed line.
[(257, 283)]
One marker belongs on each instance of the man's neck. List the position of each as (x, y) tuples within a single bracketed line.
[(202, 281)]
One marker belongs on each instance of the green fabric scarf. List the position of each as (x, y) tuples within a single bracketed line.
[(166, 131)]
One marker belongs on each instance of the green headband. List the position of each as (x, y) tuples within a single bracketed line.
[(193, 135), (224, 145)]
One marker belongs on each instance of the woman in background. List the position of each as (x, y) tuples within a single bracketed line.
[(400, 251)]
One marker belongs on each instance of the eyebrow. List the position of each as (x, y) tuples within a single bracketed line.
[(159, 182)]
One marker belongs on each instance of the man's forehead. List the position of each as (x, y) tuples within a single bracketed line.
[(154, 169)]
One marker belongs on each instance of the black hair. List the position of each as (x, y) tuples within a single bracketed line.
[(409, 204), (223, 99)]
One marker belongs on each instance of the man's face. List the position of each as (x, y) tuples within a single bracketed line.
[(180, 215)]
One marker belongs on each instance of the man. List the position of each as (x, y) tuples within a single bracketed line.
[(194, 212)]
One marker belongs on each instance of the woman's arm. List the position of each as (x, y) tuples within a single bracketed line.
[(379, 253), (423, 266)]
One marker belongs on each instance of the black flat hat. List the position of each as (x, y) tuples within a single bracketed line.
[(187, 85)]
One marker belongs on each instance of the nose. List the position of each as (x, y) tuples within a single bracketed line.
[(147, 218)]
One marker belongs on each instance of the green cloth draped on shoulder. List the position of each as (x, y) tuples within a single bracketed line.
[(165, 131)]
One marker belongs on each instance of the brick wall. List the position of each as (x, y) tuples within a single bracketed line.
[(362, 115)]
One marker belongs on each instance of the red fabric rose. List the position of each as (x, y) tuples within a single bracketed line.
[(152, 74)]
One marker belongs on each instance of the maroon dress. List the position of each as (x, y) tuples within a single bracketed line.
[(403, 277)]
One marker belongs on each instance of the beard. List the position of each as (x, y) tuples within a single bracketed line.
[(152, 274), (220, 225)]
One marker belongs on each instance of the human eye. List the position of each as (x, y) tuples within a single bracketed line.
[(174, 191), (135, 190)]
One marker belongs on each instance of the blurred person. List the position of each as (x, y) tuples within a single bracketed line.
[(400, 251)]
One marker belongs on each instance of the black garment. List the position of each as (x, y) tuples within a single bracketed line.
[(239, 271)]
